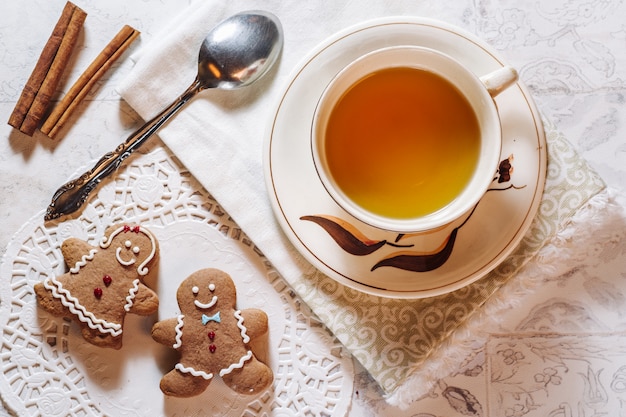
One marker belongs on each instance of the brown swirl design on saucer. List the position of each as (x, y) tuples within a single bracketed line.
[(348, 237), (422, 262), (353, 241)]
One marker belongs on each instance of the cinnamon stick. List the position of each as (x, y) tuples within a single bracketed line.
[(41, 68), (105, 59), (41, 85)]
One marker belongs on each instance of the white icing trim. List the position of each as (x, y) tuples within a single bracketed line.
[(106, 242), (242, 328), (130, 298), (179, 331), (225, 371), (83, 261), (141, 269), (192, 371), (73, 304), (207, 305), (118, 256), (237, 365)]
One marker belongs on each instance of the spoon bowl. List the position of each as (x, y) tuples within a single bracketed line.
[(228, 62), (235, 53)]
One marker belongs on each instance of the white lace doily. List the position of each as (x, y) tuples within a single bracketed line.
[(47, 368)]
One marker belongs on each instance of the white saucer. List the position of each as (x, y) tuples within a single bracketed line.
[(492, 232)]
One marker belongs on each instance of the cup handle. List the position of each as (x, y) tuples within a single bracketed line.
[(499, 80)]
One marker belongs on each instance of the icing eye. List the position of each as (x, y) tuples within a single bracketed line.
[(195, 290), (128, 243), (211, 287), (136, 249)]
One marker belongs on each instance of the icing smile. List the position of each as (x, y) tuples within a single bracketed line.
[(206, 305), (118, 255), (195, 290)]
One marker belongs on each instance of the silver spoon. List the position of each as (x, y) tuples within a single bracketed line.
[(237, 52)]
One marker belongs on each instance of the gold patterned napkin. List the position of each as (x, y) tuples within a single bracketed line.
[(219, 137), (395, 339)]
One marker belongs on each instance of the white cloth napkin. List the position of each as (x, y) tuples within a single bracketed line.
[(219, 137)]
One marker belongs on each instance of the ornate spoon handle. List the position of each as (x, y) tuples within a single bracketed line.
[(71, 196)]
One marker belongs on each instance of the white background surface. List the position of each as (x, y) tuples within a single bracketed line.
[(569, 53)]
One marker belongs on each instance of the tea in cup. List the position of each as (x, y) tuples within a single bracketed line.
[(407, 139)]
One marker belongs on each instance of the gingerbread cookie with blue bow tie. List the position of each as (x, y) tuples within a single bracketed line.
[(213, 338)]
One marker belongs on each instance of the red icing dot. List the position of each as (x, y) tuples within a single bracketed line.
[(211, 335), (136, 229), (107, 280), (212, 348), (97, 292), (126, 228)]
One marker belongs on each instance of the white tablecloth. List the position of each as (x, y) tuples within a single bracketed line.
[(542, 357)]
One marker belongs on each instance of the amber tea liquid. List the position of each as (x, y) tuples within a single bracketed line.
[(402, 142)]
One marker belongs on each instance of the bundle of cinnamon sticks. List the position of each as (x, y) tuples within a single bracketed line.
[(32, 108)]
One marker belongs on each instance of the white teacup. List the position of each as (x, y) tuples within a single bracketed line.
[(407, 139)]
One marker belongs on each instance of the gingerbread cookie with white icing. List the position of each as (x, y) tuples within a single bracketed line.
[(213, 338), (104, 283)]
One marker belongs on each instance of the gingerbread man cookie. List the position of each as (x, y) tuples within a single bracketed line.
[(103, 283), (213, 338)]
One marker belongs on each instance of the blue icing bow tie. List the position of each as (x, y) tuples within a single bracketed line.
[(215, 317)]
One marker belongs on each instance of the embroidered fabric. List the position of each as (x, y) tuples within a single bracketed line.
[(47, 368)]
